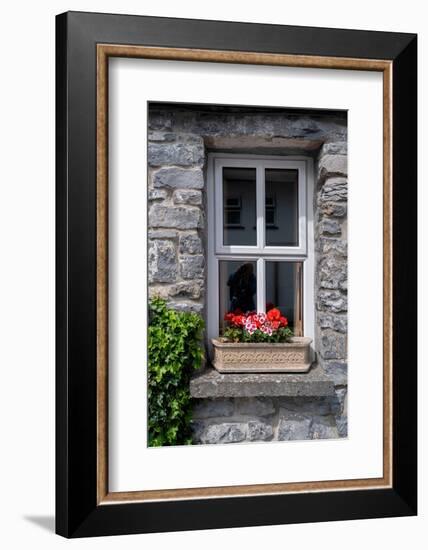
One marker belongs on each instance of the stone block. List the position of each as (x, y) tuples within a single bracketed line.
[(255, 406), (337, 371), (332, 301), (329, 227), (332, 272), (192, 267), (335, 209), (305, 406), (187, 289), (211, 408), (293, 428), (332, 165), (187, 196), (157, 194), (190, 244), (338, 323), (159, 291), (162, 266), (334, 148), (210, 383), (335, 189), (162, 137), (342, 426), (163, 234), (178, 178), (160, 120), (265, 125), (197, 428), (259, 431), (179, 154), (224, 433), (324, 427), (179, 217), (332, 246), (332, 345), (187, 307), (302, 127), (342, 400)]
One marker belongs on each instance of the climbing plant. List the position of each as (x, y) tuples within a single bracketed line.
[(174, 348)]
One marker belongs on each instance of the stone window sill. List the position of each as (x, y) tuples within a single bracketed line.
[(209, 383)]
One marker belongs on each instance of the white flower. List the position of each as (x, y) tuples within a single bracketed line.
[(266, 329), (250, 327)]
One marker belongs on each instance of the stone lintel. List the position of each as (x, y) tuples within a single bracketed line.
[(209, 383)]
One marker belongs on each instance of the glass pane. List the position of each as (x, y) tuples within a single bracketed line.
[(282, 211), (239, 206), (284, 291), (238, 287)]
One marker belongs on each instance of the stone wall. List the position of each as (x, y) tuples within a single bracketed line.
[(176, 267), (331, 270), (179, 140), (244, 419)]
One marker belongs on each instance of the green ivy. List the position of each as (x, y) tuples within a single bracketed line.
[(174, 352)]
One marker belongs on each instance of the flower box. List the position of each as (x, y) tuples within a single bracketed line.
[(293, 356)]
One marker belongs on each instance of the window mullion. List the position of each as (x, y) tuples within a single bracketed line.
[(260, 207), (261, 286)]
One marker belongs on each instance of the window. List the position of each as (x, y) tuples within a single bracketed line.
[(271, 212), (260, 242), (232, 212)]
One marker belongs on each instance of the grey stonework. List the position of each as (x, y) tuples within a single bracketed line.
[(178, 178), (185, 151), (209, 383), (259, 431), (192, 267), (179, 140), (331, 301), (180, 217), (187, 196), (190, 243), (337, 371), (241, 419), (240, 122), (331, 273), (162, 262)]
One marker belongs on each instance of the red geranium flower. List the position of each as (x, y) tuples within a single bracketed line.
[(274, 314), (284, 321), (239, 320)]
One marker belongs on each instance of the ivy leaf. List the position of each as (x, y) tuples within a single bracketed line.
[(174, 345)]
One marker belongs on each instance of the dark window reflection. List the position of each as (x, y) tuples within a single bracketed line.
[(238, 287), (281, 207), (239, 206), (284, 291)]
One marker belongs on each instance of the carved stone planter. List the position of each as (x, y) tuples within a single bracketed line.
[(293, 356)]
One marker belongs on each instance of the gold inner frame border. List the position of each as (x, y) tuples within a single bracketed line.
[(104, 52)]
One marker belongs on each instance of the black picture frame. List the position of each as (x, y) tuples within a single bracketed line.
[(77, 511)]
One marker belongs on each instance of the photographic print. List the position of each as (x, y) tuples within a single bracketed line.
[(206, 235), (247, 274)]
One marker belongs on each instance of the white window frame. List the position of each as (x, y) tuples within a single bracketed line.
[(260, 164), (304, 252)]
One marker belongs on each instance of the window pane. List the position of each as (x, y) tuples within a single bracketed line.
[(239, 206), (284, 291), (238, 287), (282, 212)]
